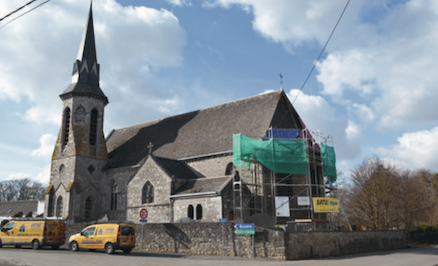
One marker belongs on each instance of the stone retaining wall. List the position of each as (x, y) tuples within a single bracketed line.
[(219, 238)]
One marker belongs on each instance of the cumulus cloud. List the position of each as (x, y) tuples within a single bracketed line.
[(415, 150), (47, 142), (131, 42), (290, 22), (322, 119)]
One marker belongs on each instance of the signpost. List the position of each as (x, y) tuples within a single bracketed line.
[(143, 215), (223, 220), (243, 229), (246, 229)]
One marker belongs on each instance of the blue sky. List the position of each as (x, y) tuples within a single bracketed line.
[(373, 91)]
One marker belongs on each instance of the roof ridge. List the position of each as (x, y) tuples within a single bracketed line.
[(199, 110)]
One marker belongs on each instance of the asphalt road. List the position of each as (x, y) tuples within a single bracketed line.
[(10, 256)]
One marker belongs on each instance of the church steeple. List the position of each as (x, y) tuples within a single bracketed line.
[(85, 76)]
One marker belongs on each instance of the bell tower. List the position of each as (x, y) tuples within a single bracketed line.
[(80, 151)]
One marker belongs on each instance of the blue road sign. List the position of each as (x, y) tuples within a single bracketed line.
[(143, 221), (223, 220), (244, 226)]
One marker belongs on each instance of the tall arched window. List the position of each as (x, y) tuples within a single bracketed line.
[(65, 126), (59, 207), (199, 212), (88, 208), (114, 190), (51, 207), (190, 212), (93, 127), (147, 193)]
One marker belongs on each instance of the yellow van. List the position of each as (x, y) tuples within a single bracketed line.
[(107, 236), (37, 233)]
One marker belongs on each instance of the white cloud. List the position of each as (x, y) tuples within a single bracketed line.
[(47, 142), (414, 150), (290, 22), (320, 117), (180, 2), (129, 48)]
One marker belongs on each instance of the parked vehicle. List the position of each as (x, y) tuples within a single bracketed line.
[(37, 233), (107, 236)]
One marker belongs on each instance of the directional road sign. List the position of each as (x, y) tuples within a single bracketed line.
[(244, 226), (245, 232)]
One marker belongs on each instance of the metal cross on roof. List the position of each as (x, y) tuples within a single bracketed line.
[(150, 147)]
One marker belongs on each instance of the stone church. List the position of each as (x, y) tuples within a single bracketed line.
[(179, 168)]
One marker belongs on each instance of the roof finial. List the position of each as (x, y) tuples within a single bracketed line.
[(281, 82)]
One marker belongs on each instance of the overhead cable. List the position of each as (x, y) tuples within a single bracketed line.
[(322, 51), (16, 10), (24, 12)]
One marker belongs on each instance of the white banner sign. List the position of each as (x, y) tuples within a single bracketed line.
[(303, 201), (282, 206)]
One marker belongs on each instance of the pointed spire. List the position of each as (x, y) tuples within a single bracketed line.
[(87, 49), (85, 76)]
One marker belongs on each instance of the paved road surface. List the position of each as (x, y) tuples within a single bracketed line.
[(9, 256)]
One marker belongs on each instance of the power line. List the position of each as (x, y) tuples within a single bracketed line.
[(23, 13), (16, 10), (322, 51)]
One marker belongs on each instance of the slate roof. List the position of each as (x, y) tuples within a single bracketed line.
[(201, 132), (10, 208), (175, 168), (203, 185)]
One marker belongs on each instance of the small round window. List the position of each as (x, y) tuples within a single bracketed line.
[(61, 168)]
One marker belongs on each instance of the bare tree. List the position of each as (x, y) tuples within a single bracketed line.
[(412, 203), (371, 198), (382, 197), (21, 189)]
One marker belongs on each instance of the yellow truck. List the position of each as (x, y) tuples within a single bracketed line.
[(107, 236), (37, 233)]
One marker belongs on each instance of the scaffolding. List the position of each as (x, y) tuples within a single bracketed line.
[(279, 175)]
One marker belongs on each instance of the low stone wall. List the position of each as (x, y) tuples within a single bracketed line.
[(306, 245), (219, 239), (209, 239)]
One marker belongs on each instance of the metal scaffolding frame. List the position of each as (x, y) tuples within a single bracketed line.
[(253, 194)]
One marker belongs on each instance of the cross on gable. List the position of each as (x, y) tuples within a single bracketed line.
[(150, 147)]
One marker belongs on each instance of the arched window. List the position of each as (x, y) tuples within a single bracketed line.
[(93, 127), (190, 211), (88, 208), (51, 207), (229, 169), (65, 126), (147, 193), (59, 207), (199, 212), (114, 190)]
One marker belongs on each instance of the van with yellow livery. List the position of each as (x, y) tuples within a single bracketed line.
[(36, 233), (107, 236)]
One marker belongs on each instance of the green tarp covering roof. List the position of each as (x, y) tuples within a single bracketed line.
[(280, 156)]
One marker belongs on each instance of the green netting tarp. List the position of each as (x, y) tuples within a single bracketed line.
[(280, 156), (329, 159)]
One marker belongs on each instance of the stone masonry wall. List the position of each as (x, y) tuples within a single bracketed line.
[(306, 245), (216, 238)]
